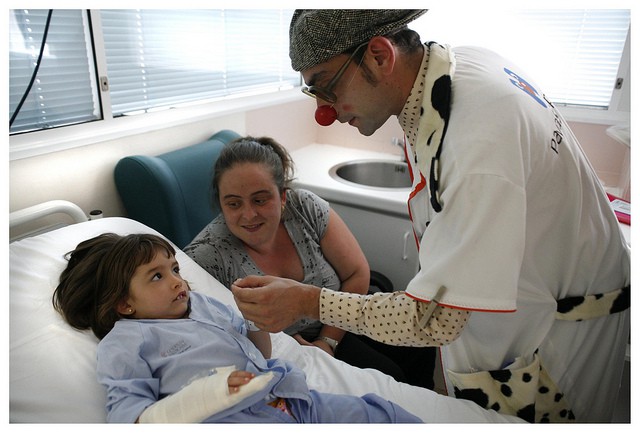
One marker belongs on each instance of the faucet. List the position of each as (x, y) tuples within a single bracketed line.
[(400, 143)]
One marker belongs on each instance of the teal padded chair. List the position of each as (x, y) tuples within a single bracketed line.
[(171, 193)]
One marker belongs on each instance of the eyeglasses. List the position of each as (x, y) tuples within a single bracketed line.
[(326, 93)]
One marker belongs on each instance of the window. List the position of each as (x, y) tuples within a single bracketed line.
[(63, 92), (574, 54), (153, 59), (585, 48), (159, 58), (100, 66)]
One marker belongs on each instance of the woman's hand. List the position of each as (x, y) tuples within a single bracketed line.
[(301, 340), (318, 343), (323, 345), (237, 379)]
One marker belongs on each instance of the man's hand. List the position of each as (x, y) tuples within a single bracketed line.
[(274, 303)]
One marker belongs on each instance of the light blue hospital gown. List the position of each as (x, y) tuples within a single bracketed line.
[(142, 361)]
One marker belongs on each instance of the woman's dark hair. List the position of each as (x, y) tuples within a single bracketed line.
[(98, 275), (259, 150)]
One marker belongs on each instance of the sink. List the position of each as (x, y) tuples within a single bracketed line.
[(373, 173)]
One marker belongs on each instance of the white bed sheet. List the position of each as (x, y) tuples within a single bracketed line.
[(52, 366)]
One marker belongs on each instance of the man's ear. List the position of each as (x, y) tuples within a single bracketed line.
[(382, 50)]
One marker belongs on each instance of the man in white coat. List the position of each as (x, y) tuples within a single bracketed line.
[(524, 274)]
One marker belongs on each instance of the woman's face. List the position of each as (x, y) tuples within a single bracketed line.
[(251, 203)]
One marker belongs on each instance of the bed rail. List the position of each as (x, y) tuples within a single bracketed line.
[(33, 213)]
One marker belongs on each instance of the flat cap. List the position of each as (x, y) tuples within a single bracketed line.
[(316, 35)]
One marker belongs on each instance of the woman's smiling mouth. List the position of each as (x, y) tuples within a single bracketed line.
[(252, 227)]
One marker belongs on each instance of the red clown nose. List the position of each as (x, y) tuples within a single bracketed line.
[(326, 115)]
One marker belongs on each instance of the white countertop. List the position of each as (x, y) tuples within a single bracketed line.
[(626, 231), (312, 166)]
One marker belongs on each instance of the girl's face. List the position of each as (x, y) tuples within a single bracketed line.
[(251, 203), (157, 291)]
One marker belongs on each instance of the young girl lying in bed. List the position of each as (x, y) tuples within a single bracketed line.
[(171, 355)]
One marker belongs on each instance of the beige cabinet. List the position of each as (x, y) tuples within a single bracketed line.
[(387, 241)]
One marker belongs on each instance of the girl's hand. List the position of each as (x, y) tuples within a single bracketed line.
[(237, 379)]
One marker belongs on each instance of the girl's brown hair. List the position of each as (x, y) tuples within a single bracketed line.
[(98, 275)]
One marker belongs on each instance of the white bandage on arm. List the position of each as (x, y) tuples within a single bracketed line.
[(202, 398)]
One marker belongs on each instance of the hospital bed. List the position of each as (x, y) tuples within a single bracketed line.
[(52, 374)]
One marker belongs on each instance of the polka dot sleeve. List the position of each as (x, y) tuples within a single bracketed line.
[(391, 318)]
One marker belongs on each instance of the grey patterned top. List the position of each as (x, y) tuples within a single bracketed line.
[(306, 217)]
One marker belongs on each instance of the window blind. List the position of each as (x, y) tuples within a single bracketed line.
[(64, 90), (162, 58), (573, 54), (587, 47)]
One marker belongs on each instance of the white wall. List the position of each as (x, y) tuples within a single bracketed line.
[(84, 175), (610, 158)]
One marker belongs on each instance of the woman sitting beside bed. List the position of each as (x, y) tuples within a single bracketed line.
[(267, 228), (171, 355)]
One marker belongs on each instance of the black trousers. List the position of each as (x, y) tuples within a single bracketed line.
[(412, 365)]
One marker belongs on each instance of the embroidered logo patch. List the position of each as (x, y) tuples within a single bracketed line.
[(179, 347), (522, 84)]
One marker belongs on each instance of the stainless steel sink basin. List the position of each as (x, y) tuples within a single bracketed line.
[(373, 173)]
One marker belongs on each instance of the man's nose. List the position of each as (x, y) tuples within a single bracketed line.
[(326, 115)]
